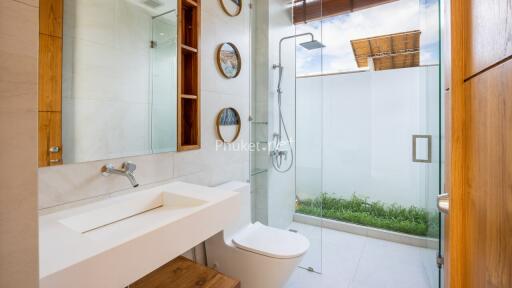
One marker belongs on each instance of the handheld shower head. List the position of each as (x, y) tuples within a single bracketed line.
[(313, 44)]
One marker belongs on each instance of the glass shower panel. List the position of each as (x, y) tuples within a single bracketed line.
[(164, 83), (368, 136), (309, 146), (430, 25)]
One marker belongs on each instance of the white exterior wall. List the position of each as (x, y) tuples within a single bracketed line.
[(356, 136)]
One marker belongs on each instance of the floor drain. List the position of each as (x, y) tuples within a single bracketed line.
[(310, 269), (293, 230)]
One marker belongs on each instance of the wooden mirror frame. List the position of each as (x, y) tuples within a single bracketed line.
[(239, 126), (239, 58), (226, 9)]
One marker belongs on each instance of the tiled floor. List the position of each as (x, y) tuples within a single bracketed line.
[(352, 261)]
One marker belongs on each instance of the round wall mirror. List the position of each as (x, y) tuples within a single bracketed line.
[(228, 60), (231, 7), (228, 125)]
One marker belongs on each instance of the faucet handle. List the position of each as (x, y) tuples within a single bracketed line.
[(107, 169), (129, 166)]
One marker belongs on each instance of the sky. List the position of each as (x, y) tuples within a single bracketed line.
[(336, 32)]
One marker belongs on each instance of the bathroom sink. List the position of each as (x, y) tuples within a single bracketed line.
[(125, 209), (114, 242)]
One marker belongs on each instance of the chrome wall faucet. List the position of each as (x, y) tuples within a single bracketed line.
[(126, 170)]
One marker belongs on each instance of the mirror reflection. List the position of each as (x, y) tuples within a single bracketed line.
[(228, 125), (228, 60), (119, 80)]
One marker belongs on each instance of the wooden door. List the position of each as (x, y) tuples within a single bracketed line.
[(480, 163)]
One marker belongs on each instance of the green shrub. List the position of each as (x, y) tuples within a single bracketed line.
[(357, 210)]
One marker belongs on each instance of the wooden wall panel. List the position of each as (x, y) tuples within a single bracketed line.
[(50, 76), (50, 17), (489, 178), (480, 160), (488, 33), (50, 126), (311, 10)]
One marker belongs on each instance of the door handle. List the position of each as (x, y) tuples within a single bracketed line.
[(443, 203), (429, 148)]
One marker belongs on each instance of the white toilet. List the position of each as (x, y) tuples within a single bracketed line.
[(258, 255)]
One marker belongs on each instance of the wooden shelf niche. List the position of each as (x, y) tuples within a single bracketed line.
[(189, 116)]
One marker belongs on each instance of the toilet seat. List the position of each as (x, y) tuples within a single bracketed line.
[(282, 245)]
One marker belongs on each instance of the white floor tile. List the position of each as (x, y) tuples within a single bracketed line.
[(352, 261)]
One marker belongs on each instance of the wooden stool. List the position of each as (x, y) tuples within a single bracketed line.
[(184, 273)]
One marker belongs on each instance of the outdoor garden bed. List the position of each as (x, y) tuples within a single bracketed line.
[(357, 210)]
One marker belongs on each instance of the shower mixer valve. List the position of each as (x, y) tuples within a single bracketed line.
[(277, 154), (280, 154)]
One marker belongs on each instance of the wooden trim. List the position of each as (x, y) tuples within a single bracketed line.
[(457, 148), (50, 73), (50, 126), (50, 17), (50, 82)]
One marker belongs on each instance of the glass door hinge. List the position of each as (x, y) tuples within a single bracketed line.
[(440, 261)]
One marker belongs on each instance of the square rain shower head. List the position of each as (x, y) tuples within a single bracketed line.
[(313, 44)]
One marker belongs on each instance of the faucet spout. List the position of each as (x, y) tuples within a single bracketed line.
[(132, 180), (126, 170)]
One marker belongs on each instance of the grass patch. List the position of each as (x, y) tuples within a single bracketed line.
[(357, 210)]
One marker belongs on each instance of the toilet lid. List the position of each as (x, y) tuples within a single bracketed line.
[(271, 242)]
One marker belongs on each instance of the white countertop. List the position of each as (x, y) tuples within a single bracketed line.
[(117, 254)]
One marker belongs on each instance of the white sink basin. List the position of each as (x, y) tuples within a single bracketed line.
[(114, 242), (128, 208)]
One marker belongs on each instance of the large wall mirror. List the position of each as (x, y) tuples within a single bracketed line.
[(119, 79)]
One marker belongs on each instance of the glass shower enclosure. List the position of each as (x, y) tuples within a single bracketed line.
[(368, 129), (364, 115)]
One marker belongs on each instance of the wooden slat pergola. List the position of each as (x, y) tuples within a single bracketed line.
[(393, 51)]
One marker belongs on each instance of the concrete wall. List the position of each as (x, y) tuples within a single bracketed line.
[(274, 192)]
